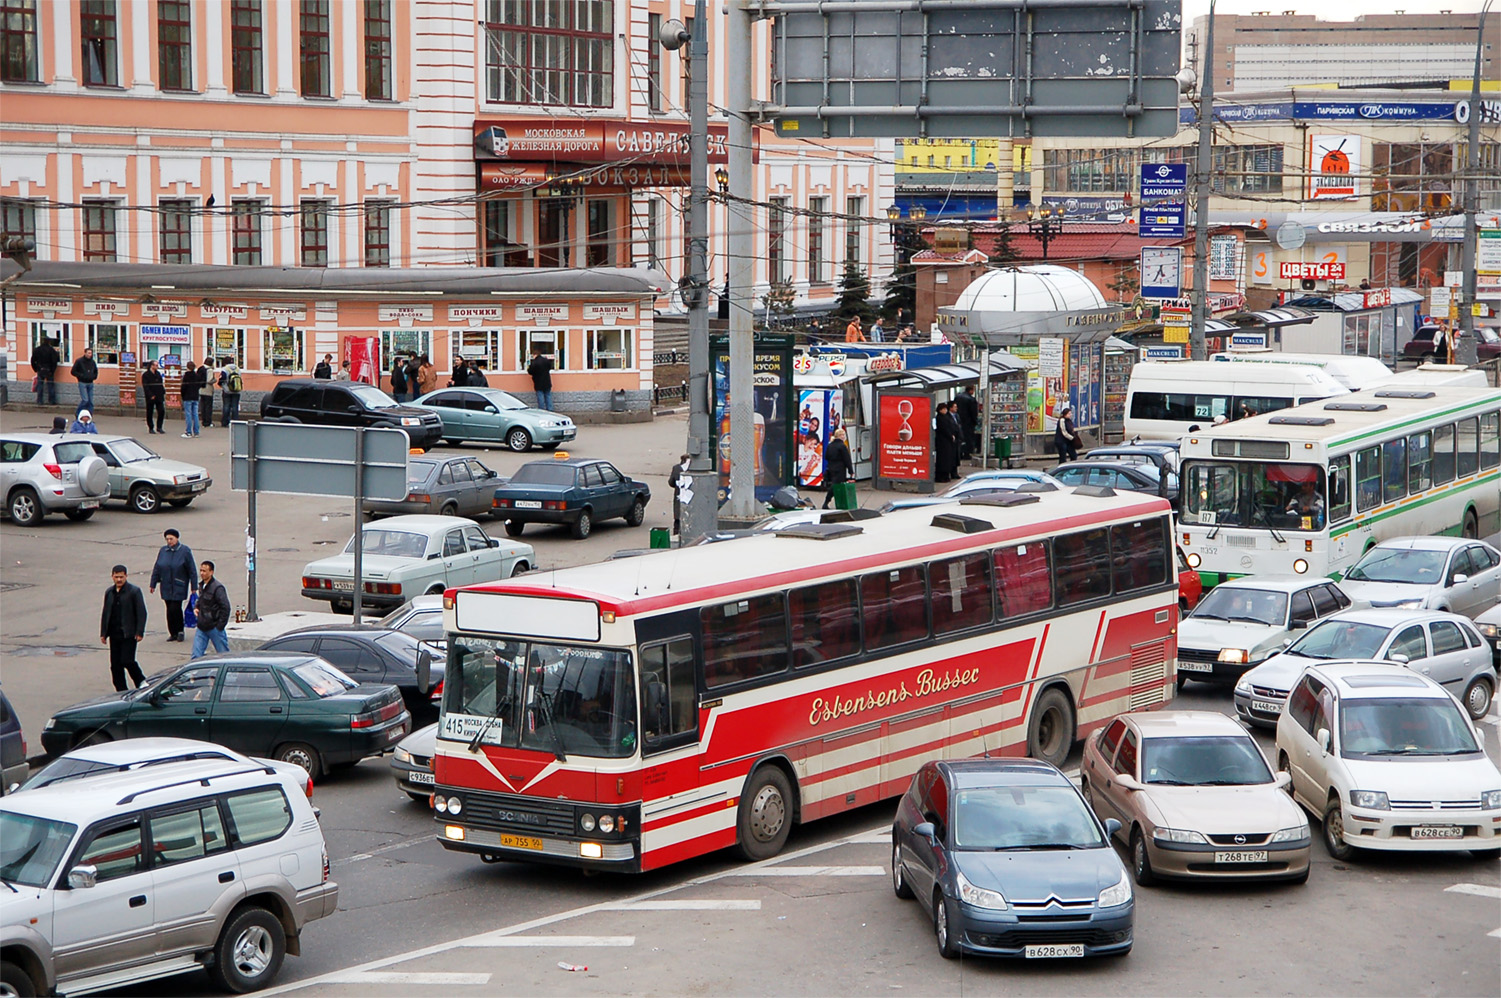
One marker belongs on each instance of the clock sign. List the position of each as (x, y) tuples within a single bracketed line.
[(1161, 271)]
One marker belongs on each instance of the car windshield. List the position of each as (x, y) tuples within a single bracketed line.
[(419, 472), (503, 401), (543, 473), (31, 848), (1392, 726), (131, 450), (323, 679), (1408, 565), (1023, 818), (1275, 495), (372, 398), (1335, 638), (1203, 761), (391, 543), (1251, 606), (550, 698)]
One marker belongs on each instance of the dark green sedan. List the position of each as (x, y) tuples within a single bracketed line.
[(294, 708)]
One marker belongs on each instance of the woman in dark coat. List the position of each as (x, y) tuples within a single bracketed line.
[(946, 449), (839, 466)]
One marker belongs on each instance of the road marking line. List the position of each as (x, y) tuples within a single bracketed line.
[(398, 977), (360, 857), (687, 904), (813, 871), (1479, 890), (876, 838), (1494, 933), (545, 941)]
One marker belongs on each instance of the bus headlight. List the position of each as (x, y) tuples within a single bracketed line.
[(586, 822), (1193, 559), (1300, 566)]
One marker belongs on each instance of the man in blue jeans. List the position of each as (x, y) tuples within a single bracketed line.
[(541, 371), (85, 372), (213, 612)]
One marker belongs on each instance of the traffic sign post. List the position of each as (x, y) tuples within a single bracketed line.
[(1164, 201)]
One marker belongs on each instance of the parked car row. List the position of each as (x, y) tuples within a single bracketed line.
[(75, 474)]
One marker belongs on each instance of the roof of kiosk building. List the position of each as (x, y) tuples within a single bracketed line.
[(1045, 287)]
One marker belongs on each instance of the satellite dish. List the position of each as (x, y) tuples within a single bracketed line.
[(1291, 235)]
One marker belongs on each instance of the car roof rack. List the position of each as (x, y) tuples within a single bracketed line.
[(201, 780)]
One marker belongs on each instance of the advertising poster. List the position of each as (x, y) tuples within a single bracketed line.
[(772, 385), (905, 444), (363, 354), (819, 413), (1333, 166), (130, 377), (283, 350)]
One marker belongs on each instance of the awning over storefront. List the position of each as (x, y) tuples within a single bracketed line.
[(1357, 301), (1273, 318), (1354, 226)]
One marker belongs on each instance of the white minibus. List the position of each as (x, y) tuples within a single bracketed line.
[(1166, 399)]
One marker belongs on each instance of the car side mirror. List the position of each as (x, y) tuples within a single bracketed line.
[(435, 556), (1283, 781), (1111, 827), (424, 670), (925, 829), (1458, 578), (1299, 625), (491, 409), (1323, 739), (83, 877), (1399, 658), (1287, 642), (13, 788), (1130, 782), (494, 542)]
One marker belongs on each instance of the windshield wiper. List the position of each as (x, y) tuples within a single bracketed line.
[(1200, 615), (1216, 531), (1168, 783), (1246, 620), (12, 886), (1268, 521), (1222, 783), (484, 729), (1060, 846), (545, 699)]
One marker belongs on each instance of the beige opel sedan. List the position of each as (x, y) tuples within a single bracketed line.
[(1194, 798)]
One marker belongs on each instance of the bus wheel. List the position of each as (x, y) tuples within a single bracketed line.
[(1050, 736), (765, 814), (1471, 529)]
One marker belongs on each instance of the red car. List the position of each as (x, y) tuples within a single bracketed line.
[(1190, 586), (1423, 347)]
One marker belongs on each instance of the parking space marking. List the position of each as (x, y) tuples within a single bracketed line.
[(1479, 890), (415, 977), (360, 857), (686, 904), (812, 871), (518, 942), (873, 839)]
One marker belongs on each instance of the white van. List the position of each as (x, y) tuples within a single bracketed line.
[(1168, 398), (1438, 376), (1352, 371)]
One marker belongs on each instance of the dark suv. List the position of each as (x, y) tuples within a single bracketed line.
[(349, 403)]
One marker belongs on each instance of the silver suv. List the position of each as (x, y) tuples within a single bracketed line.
[(117, 879), (41, 473)]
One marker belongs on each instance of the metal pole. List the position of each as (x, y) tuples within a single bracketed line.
[(1466, 351), (701, 510), (984, 394), (1204, 164), (250, 481), (359, 523), (741, 248)]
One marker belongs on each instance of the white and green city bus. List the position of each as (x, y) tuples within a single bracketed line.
[(1311, 488)]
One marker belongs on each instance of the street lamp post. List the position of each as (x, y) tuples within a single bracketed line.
[(1043, 224), (906, 237)]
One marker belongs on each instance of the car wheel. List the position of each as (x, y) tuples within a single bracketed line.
[(449, 509), (637, 514), (1471, 529), (1477, 698), (583, 525), (26, 508), (1284, 766), (180, 503), (514, 528), (519, 440), (96, 737), (303, 755), (941, 930), (1334, 831), (249, 951), (765, 818), (436, 589), (15, 981), (451, 441), (78, 515), (1141, 861), (1051, 733), (520, 568), (899, 875), (145, 499)]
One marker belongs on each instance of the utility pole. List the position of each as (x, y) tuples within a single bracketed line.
[(700, 511), (1466, 349), (741, 246), (1202, 169)]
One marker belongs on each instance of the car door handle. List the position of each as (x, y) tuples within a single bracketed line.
[(138, 901), (227, 876), (200, 710), (276, 710)]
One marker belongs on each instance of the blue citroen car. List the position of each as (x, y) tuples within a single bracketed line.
[(1009, 861)]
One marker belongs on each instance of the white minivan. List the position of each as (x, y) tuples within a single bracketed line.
[(1351, 370), (129, 877), (1166, 399)]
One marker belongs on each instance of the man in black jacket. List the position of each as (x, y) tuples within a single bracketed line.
[(839, 467), (946, 444), (192, 384), (540, 369), (477, 377), (213, 612), (122, 625), (44, 363), (968, 409), (85, 372), (154, 387), (324, 371)]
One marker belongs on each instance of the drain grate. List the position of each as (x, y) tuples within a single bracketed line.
[(10, 587)]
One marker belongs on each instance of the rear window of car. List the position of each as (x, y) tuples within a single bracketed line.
[(72, 453), (323, 679), (258, 815), (541, 473), (418, 471)]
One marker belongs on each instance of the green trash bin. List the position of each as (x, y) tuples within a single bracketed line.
[(1000, 448), (844, 496), (661, 537)]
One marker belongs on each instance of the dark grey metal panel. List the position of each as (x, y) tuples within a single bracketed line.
[(987, 67), (298, 459)]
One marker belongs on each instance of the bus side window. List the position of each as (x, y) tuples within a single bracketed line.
[(744, 639), (1139, 554), (895, 606), (1367, 478), (1023, 580), (825, 622), (1082, 566), (669, 713), (961, 593), (1394, 470), (1469, 446), (1490, 440), (1419, 462), (1339, 489), (1443, 455)]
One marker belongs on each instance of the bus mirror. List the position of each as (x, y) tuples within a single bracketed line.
[(424, 670)]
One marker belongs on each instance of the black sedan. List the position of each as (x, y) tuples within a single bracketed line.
[(1118, 475), (578, 491), (373, 655), (288, 707)]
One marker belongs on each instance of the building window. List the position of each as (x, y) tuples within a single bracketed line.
[(245, 229), (98, 31), (107, 340), (608, 349), (377, 233), (60, 333), (378, 50), (1412, 176), (550, 53), (226, 346), (1086, 171), (654, 233), (245, 46), (17, 218), (653, 64), (500, 250), (18, 63), (99, 231), (175, 220), (600, 250), (174, 44), (552, 341), (776, 222), (314, 42), (1247, 170), (406, 342), (817, 209), (854, 229), (314, 233)]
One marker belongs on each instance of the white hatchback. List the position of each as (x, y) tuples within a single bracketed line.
[(1387, 760)]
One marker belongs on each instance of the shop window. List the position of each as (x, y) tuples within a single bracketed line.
[(98, 30), (245, 232), (226, 345), (281, 351), (553, 342), (500, 249), (108, 340), (60, 333), (247, 59), (1412, 176), (407, 342), (378, 50), (174, 44), (481, 345), (18, 45), (609, 349)]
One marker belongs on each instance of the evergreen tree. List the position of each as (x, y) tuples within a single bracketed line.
[(854, 292), (1002, 252)]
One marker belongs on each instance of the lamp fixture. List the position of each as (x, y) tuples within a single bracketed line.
[(722, 178)]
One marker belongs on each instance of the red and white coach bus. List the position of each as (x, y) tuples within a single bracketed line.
[(634, 713)]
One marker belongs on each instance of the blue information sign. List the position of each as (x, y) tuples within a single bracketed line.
[(1164, 205)]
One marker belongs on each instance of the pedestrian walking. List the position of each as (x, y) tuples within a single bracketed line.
[(1066, 436), (233, 385), (399, 379), (946, 449), (122, 625), (676, 478), (192, 378), (427, 375), (44, 360), (324, 370), (213, 612), (174, 573), (968, 408), (83, 423), (154, 387), (85, 371), (541, 371), (853, 333), (206, 394), (839, 466)]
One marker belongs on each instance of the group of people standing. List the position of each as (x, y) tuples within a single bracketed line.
[(956, 428), (197, 388), (122, 621), (412, 377)]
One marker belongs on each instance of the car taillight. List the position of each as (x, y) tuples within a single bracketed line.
[(325, 866), (436, 693), (307, 788), (383, 588), (501, 503), (55, 470), (308, 582), (555, 504), (370, 718), (419, 497)]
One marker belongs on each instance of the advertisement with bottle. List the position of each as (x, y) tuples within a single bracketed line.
[(772, 388), (905, 433)]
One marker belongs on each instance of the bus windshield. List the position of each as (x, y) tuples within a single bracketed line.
[(1272, 494), (546, 697)]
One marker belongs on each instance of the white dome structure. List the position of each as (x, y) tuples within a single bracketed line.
[(1043, 288)]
